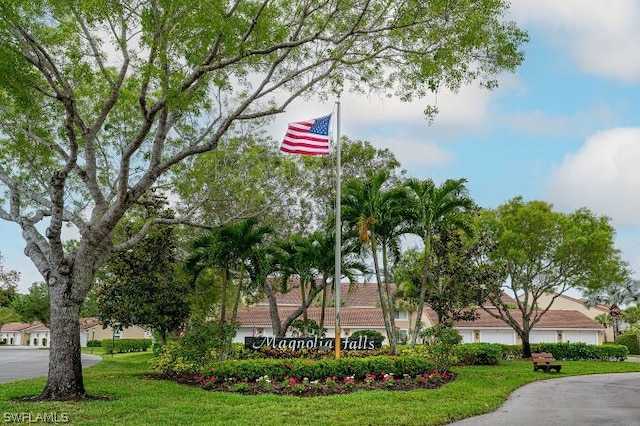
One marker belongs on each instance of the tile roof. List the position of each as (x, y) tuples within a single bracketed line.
[(361, 295), (36, 326), (14, 326), (358, 295), (39, 326), (349, 317), (89, 322), (552, 319)]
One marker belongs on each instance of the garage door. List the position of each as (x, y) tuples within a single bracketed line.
[(506, 337), (542, 337), (575, 336)]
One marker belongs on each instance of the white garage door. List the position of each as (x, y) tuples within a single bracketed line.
[(506, 337), (545, 336), (575, 336), (467, 336)]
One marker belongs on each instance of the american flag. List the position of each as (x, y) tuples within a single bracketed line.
[(309, 137)]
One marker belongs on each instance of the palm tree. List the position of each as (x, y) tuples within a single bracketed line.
[(377, 214), (615, 295), (604, 320), (324, 249), (435, 208), (224, 249)]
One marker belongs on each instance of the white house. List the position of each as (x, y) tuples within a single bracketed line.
[(37, 334), (360, 310)]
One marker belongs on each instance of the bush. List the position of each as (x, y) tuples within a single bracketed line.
[(376, 336), (278, 369), (510, 351), (170, 360), (478, 354), (440, 342), (94, 344), (582, 351), (631, 341), (125, 345), (200, 346)]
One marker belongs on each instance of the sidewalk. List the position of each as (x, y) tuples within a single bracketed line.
[(599, 399), (23, 362)]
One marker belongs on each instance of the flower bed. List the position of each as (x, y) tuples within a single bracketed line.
[(328, 386)]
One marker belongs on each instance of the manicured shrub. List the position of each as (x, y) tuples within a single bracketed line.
[(197, 348), (511, 351), (278, 369), (478, 354), (376, 336), (94, 344), (125, 345), (631, 341), (170, 360), (440, 341), (582, 351)]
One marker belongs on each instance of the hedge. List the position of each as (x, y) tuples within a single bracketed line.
[(631, 341), (478, 353), (582, 351), (125, 345), (278, 369)]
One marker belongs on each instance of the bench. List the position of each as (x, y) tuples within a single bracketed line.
[(544, 361)]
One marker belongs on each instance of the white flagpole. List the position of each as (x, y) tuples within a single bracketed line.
[(338, 224)]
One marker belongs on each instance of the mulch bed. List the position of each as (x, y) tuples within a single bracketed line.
[(307, 389)]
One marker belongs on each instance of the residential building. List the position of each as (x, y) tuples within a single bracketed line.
[(567, 321), (38, 334)]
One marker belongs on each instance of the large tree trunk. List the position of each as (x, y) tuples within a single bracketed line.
[(65, 366), (389, 295), (324, 303), (423, 288), (526, 344), (384, 303), (276, 325)]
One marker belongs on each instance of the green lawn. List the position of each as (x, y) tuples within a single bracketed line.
[(136, 401)]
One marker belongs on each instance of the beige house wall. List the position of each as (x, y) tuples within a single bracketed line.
[(134, 332), (570, 304)]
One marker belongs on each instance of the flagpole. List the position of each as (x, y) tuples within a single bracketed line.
[(338, 224)]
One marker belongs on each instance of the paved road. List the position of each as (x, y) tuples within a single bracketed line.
[(23, 362), (599, 399)]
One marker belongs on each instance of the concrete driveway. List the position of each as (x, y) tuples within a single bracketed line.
[(23, 362), (599, 399)]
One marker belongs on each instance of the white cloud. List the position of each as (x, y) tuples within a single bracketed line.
[(415, 154), (462, 112), (602, 37), (468, 107), (604, 175), (540, 122)]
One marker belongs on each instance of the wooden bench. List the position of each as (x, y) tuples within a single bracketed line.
[(544, 361)]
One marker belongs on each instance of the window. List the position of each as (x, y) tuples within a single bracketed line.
[(400, 315)]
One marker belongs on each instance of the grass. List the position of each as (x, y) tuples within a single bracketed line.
[(136, 401)]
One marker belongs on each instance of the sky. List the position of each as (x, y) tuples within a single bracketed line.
[(564, 128)]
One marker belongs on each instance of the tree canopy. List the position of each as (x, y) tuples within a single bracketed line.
[(101, 100), (543, 251)]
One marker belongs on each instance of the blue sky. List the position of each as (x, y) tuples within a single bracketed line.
[(565, 128)]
